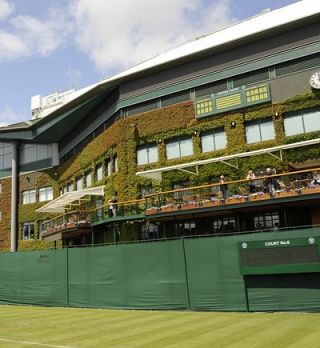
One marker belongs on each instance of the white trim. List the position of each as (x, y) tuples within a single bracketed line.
[(156, 174), (60, 204)]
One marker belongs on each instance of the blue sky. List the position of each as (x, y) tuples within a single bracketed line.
[(49, 46)]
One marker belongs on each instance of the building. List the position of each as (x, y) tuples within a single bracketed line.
[(158, 137)]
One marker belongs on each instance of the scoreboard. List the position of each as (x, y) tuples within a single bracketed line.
[(232, 99), (293, 255)]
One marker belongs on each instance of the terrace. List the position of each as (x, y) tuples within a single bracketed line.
[(298, 186)]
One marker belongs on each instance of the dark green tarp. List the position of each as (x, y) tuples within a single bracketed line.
[(38, 277), (146, 275), (196, 273)]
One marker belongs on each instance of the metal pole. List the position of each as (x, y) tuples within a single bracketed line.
[(14, 196)]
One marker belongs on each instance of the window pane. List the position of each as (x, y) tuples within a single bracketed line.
[(207, 143), (49, 193), (70, 187), (173, 150), (267, 130), (253, 133), (293, 125), (312, 121), (25, 197), (89, 179), (42, 152), (153, 154), (220, 140), (109, 168), (42, 194), (142, 156), (28, 153), (99, 172), (186, 148), (32, 196), (79, 183), (115, 163)]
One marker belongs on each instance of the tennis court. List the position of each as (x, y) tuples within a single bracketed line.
[(73, 327)]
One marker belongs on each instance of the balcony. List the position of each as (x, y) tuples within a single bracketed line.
[(294, 186)]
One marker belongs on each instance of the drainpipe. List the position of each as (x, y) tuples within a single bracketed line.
[(14, 196)]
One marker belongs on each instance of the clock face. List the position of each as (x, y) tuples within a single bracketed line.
[(315, 80)]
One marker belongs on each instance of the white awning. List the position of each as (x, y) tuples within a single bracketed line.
[(156, 174), (60, 204)]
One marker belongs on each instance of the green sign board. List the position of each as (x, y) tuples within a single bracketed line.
[(293, 255), (232, 99)]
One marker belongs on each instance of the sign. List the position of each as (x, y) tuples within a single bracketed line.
[(232, 99)]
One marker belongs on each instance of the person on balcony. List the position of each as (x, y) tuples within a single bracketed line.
[(316, 178), (269, 181), (223, 187), (251, 184), (113, 206)]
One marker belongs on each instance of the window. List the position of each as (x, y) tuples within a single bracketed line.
[(267, 221), (79, 183), (187, 228), (99, 172), (70, 187), (214, 140), (224, 225), (115, 164), (88, 179), (150, 231), (1, 188), (45, 194), (5, 155), (179, 148), (108, 167), (28, 197), (28, 231), (260, 130), (302, 122), (147, 154)]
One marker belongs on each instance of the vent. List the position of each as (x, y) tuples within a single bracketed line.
[(208, 89), (142, 107), (252, 77), (175, 98), (298, 65)]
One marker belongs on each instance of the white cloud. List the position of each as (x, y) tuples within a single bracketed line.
[(28, 36), (6, 9), (117, 34), (8, 116)]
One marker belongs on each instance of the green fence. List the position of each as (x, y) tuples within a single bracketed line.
[(192, 273)]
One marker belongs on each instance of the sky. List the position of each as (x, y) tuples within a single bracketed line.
[(49, 46)]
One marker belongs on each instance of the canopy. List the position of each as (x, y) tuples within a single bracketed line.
[(60, 204)]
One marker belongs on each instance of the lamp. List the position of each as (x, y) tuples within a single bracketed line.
[(233, 124)]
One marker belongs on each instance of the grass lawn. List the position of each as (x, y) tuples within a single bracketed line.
[(71, 327)]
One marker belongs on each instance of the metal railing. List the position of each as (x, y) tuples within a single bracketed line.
[(264, 187)]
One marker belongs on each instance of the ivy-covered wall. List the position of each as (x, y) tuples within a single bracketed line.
[(122, 138)]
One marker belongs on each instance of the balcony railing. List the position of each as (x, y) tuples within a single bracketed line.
[(67, 222), (83, 219), (263, 188)]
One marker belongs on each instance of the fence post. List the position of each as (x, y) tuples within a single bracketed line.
[(186, 273)]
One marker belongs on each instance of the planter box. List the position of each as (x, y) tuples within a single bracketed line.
[(151, 211), (235, 200), (212, 203), (167, 209), (311, 190), (190, 206), (260, 197)]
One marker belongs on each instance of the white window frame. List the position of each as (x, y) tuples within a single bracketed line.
[(28, 225), (178, 141), (146, 149), (259, 123), (29, 196), (48, 193)]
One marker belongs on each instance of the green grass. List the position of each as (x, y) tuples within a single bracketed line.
[(71, 327)]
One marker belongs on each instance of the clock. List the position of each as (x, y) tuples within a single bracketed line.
[(315, 80)]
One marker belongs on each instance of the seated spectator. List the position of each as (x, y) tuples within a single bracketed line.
[(223, 186), (251, 185), (269, 182), (316, 179)]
